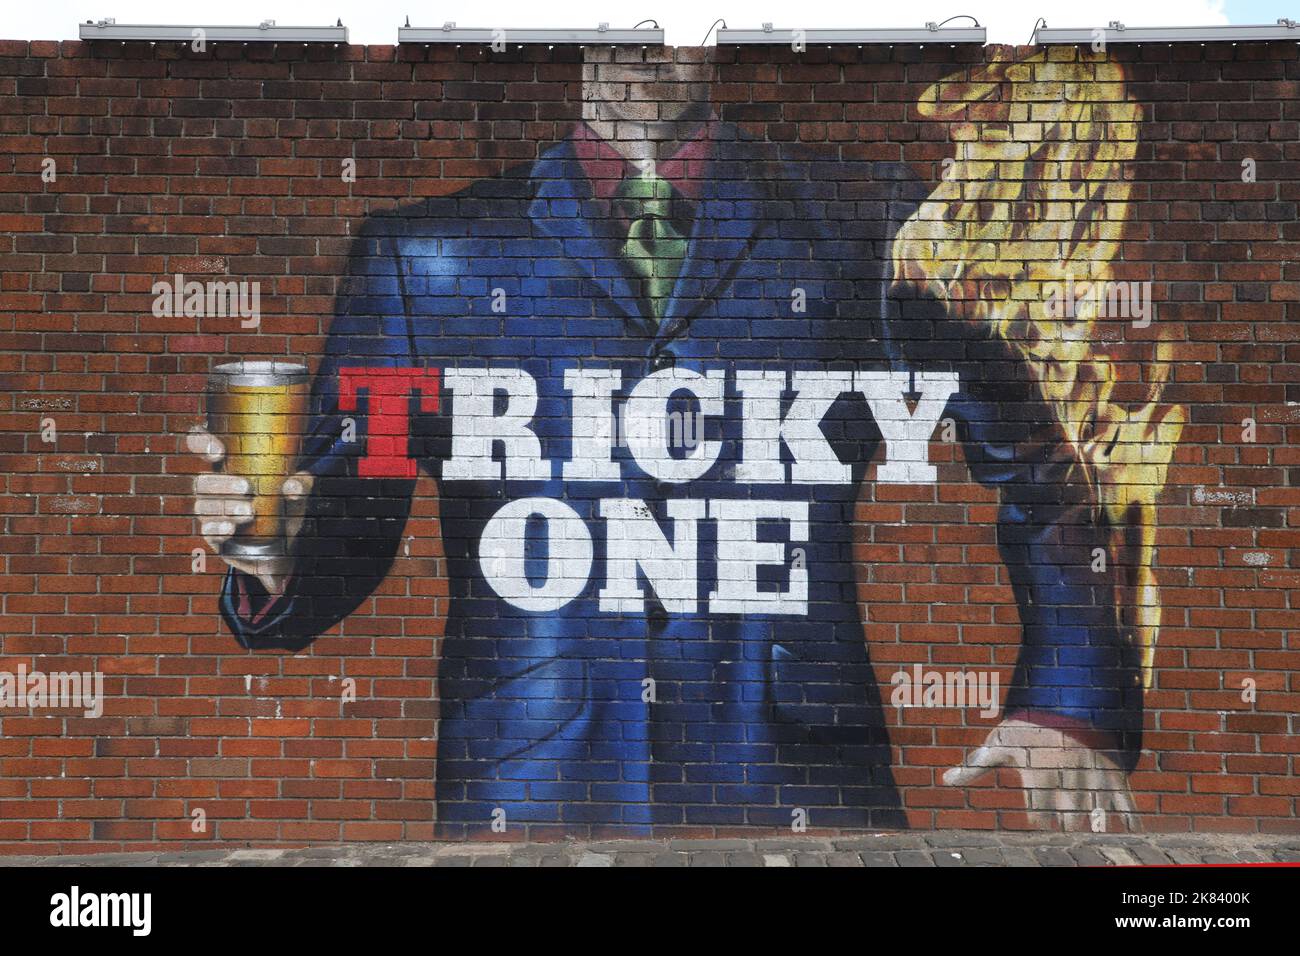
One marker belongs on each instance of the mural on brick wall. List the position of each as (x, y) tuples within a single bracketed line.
[(654, 374)]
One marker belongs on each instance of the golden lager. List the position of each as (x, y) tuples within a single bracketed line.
[(258, 410)]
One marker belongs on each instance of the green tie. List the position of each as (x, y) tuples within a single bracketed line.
[(656, 245)]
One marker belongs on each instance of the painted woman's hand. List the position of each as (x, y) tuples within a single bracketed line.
[(1065, 782)]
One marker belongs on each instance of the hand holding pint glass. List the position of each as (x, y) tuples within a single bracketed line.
[(252, 504)]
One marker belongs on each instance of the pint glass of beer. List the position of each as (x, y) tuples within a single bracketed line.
[(258, 410)]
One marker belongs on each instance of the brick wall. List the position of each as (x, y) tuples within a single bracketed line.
[(124, 165)]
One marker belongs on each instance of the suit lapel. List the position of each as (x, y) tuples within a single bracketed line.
[(563, 208), (729, 213)]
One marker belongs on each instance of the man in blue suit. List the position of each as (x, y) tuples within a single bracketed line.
[(649, 372)]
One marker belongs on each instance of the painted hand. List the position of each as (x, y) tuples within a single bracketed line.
[(224, 502), (1067, 784)]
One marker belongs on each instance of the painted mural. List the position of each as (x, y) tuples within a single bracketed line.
[(652, 374)]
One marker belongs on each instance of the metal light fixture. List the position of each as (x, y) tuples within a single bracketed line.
[(264, 32), (1116, 32), (450, 33), (931, 33)]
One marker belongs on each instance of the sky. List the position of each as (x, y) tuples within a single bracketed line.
[(686, 21)]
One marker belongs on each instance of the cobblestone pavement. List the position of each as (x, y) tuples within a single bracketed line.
[(944, 848)]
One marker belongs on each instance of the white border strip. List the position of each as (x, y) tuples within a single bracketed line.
[(1118, 33), (266, 33), (647, 37), (821, 37)]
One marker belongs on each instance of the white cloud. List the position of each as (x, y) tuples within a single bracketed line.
[(376, 21)]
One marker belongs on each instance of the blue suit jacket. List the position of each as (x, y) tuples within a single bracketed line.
[(578, 715)]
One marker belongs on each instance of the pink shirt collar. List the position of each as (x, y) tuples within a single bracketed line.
[(605, 168)]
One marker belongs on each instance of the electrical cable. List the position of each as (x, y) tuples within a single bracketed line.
[(715, 23)]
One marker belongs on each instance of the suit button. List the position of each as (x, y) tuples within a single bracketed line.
[(663, 360)]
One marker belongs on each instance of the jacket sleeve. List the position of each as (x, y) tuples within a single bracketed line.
[(1077, 666), (353, 524)]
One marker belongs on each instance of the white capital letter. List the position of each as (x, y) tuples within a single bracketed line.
[(474, 427), (634, 540), (503, 547), (740, 554), (646, 417), (907, 435), (815, 461), (593, 424)]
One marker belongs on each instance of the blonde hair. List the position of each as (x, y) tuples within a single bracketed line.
[(1037, 192)]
